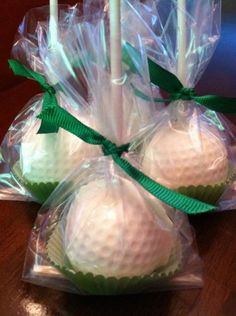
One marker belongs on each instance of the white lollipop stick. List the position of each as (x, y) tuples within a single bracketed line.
[(53, 23), (116, 67), (181, 40), (53, 36)]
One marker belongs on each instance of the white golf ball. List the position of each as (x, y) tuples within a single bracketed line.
[(177, 158), (113, 230), (50, 157)]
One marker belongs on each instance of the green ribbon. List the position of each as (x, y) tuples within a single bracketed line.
[(169, 83), (53, 117), (49, 98), (61, 118)]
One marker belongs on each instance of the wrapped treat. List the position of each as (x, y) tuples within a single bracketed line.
[(189, 149), (41, 161), (31, 164), (99, 204), (88, 232), (100, 228)]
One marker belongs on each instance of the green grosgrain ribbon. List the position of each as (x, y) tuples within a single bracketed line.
[(49, 98), (169, 83), (61, 118), (53, 117)]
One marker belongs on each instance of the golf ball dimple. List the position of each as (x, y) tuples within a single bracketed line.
[(50, 157), (112, 230), (177, 158)]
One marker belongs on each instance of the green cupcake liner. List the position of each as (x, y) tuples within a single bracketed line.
[(209, 193), (39, 190), (90, 284)]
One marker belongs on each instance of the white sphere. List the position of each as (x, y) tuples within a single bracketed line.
[(50, 157), (177, 158), (113, 230)]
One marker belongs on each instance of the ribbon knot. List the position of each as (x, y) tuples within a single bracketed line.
[(169, 83), (183, 94), (53, 117), (110, 148), (61, 118), (47, 88)]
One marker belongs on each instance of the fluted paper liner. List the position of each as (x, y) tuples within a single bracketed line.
[(209, 193), (87, 283), (39, 190)]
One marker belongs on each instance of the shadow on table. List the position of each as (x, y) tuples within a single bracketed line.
[(55, 303)]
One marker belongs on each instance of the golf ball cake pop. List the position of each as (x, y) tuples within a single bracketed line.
[(46, 159), (186, 157), (50, 157), (113, 231)]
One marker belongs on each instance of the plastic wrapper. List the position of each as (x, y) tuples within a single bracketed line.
[(31, 165), (100, 232), (190, 147)]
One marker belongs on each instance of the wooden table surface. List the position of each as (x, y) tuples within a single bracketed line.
[(215, 235)]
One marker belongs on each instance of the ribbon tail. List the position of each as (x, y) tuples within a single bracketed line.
[(61, 118), (49, 102), (47, 128), (172, 198), (217, 103), (20, 70), (127, 52), (158, 75), (143, 96)]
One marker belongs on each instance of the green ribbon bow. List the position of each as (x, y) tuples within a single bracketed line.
[(49, 98), (53, 117), (169, 83), (61, 118)]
